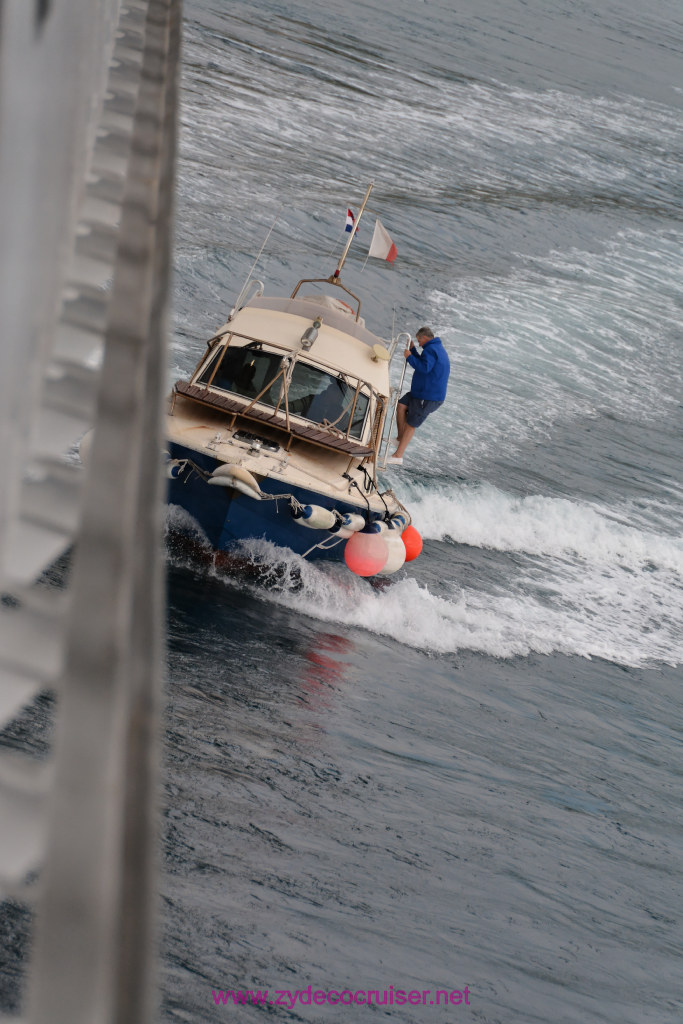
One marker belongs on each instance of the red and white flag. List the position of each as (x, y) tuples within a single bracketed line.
[(350, 220), (381, 246)]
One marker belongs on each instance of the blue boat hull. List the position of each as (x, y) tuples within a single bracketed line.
[(227, 517)]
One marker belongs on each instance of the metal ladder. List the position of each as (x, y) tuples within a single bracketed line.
[(395, 395)]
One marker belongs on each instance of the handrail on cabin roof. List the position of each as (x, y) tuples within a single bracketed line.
[(328, 280)]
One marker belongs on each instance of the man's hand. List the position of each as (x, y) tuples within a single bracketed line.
[(407, 351)]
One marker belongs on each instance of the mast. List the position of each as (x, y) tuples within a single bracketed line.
[(335, 277)]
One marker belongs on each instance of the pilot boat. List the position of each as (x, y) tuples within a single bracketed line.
[(278, 433)]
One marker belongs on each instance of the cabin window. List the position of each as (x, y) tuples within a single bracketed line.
[(313, 394), (245, 370), (324, 397)]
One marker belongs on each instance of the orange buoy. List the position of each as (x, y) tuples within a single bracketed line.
[(366, 553), (413, 542)]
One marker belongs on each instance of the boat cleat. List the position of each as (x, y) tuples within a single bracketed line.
[(217, 440)]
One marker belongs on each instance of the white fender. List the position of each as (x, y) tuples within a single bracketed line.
[(348, 524), (237, 477), (316, 518), (352, 522)]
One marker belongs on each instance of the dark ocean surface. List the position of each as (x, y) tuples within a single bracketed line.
[(472, 777)]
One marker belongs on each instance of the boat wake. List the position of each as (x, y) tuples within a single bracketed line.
[(481, 515), (568, 578)]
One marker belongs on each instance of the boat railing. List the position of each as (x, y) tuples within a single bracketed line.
[(394, 343), (393, 400), (329, 280), (313, 433), (253, 289), (285, 371)]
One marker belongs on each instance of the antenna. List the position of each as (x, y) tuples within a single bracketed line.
[(253, 266)]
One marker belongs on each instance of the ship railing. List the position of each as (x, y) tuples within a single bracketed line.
[(86, 257)]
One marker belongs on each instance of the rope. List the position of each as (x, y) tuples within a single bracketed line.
[(205, 475), (354, 483), (369, 482), (323, 546)]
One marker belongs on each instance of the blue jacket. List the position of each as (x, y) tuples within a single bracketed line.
[(432, 368)]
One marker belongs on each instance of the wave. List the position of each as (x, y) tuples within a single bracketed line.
[(582, 583), (483, 516)]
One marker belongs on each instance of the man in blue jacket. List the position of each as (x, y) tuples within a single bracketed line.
[(427, 390)]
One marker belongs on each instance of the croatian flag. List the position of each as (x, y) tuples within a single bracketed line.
[(381, 246), (350, 220)]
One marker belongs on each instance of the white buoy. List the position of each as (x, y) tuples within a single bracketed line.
[(397, 551), (349, 524)]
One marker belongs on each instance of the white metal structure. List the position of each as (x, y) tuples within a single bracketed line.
[(87, 139)]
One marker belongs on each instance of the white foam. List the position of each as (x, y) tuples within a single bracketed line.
[(406, 612), (592, 587), (484, 516), (178, 519), (582, 583)]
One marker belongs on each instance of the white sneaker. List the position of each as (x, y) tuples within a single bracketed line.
[(393, 460)]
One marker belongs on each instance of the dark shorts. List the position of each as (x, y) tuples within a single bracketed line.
[(418, 409)]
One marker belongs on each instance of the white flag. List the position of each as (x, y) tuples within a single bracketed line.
[(381, 246)]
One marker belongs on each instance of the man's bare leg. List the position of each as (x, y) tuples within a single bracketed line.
[(404, 440), (401, 412), (404, 430)]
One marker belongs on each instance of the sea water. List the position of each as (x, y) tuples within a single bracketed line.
[(468, 779)]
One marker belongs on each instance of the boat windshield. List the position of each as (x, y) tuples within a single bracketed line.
[(314, 394), (245, 370)]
